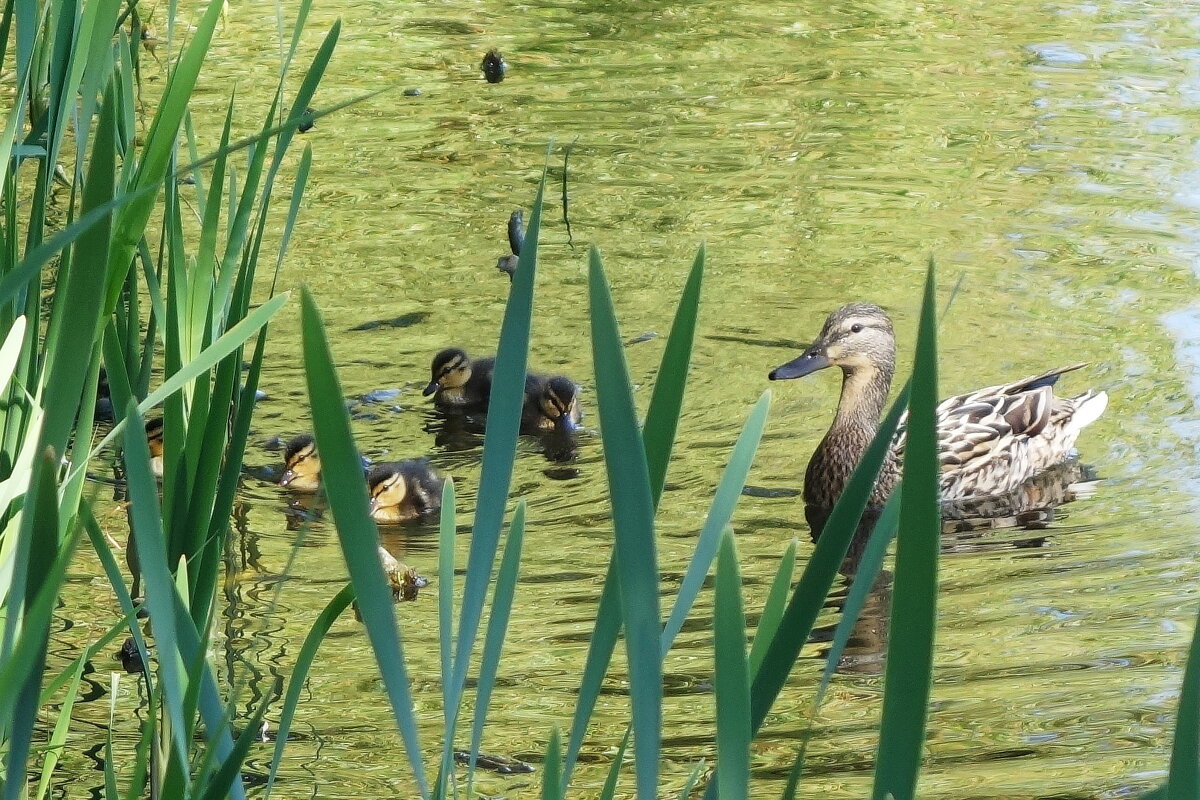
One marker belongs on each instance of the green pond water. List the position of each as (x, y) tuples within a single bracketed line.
[(1046, 152)]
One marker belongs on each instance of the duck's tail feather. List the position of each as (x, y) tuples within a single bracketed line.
[(1090, 405)]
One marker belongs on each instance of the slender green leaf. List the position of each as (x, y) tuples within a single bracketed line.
[(347, 493), (909, 670), (666, 402), (1183, 778), (609, 790), (731, 677), (497, 627), (552, 787), (633, 523), (772, 613), (729, 490)]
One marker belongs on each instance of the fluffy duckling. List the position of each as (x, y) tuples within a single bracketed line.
[(154, 438), (404, 490), (301, 464), (551, 404), (458, 381)]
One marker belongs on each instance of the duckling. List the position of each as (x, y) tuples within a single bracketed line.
[(154, 438), (458, 381), (404, 490), (493, 66), (990, 441), (551, 403), (301, 464)]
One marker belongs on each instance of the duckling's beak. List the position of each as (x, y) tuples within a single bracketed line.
[(288, 477), (430, 389), (808, 362), (372, 504), (566, 424)]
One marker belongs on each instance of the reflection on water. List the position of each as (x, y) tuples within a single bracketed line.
[(1041, 150)]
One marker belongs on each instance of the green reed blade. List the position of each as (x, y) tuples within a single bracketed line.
[(447, 528), (21, 669), (347, 495), (289, 224), (111, 792), (600, 651), (731, 679), (633, 524), (772, 613), (729, 490), (223, 781), (609, 790), (909, 670), (552, 787), (158, 150), (497, 627), (499, 453), (658, 435), (232, 339), (299, 678), (666, 402), (864, 579), (686, 791), (1183, 777), (148, 536)]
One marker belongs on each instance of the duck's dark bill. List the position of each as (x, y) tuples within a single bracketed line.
[(430, 389), (806, 364)]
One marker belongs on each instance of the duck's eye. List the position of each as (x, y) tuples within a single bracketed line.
[(856, 328)]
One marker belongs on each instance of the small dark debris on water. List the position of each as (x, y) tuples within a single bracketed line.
[(645, 337), (186, 180), (493, 66), (402, 321), (306, 121), (501, 765), (414, 92), (274, 444), (129, 657), (763, 491)]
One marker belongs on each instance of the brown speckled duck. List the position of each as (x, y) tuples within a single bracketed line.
[(990, 441), (404, 490)]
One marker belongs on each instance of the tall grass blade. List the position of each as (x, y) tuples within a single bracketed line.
[(497, 627), (666, 402), (633, 523), (909, 671), (731, 677), (499, 453), (864, 578), (729, 490), (609, 790), (304, 661), (448, 526), (772, 613), (347, 495), (1183, 777), (552, 787)]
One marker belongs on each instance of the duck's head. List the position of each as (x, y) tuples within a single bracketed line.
[(154, 437), (855, 337), (451, 369), (559, 401), (386, 487), (301, 464)]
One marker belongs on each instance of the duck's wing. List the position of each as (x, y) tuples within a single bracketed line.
[(982, 435)]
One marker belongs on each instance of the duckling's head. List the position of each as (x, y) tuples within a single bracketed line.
[(301, 464), (451, 369), (154, 437), (386, 487), (559, 402), (857, 337)]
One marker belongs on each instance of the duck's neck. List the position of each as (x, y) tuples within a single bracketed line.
[(864, 392)]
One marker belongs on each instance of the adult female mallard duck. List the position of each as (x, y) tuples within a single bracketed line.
[(404, 490), (551, 404), (458, 381), (301, 464), (990, 441)]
